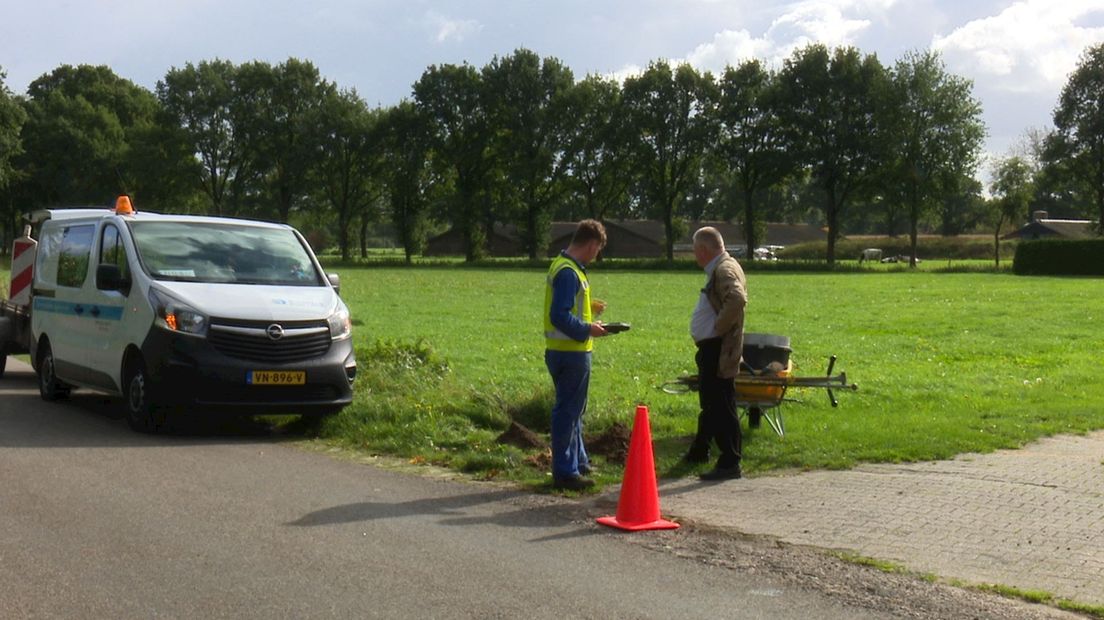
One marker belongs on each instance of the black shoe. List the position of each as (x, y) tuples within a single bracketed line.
[(722, 473), (586, 470), (696, 455), (572, 483)]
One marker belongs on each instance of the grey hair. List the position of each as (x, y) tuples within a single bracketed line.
[(709, 237)]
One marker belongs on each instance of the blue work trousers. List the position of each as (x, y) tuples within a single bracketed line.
[(570, 372)]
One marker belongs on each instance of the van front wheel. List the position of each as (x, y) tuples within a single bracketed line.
[(49, 386), (141, 413)]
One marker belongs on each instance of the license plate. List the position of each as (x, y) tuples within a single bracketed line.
[(276, 377)]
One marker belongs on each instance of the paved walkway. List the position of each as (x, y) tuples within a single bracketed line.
[(1031, 519)]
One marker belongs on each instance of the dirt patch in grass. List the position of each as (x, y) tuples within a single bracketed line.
[(520, 436), (613, 443)]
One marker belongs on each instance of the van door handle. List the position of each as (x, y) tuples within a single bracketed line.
[(95, 311), (79, 309)]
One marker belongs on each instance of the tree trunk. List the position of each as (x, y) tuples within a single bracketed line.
[(669, 229), (833, 224), (914, 225), (749, 223), (364, 235), (343, 232), (996, 243)]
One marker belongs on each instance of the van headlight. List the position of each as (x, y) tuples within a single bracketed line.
[(176, 316), (341, 326)]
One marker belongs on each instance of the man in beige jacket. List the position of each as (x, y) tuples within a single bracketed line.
[(717, 326)]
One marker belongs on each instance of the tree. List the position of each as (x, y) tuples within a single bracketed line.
[(671, 112), (1012, 191), (406, 143), (1078, 139), (281, 115), (828, 102), (934, 128), (200, 101), (347, 159), (452, 99), (597, 147), (12, 118), (752, 142), (526, 99), (961, 211), (82, 125)]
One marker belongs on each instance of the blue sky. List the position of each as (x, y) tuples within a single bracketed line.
[(1017, 52)]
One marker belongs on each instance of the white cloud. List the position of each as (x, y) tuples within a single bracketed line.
[(448, 29), (833, 23), (1030, 46)]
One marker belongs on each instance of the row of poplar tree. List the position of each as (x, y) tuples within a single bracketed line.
[(832, 137)]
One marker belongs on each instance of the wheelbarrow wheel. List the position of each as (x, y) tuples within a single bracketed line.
[(755, 417)]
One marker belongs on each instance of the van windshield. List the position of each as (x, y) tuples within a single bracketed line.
[(214, 252)]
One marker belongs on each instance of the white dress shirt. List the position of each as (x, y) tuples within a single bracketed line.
[(703, 322)]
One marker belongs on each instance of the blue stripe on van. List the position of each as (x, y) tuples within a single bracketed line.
[(107, 313)]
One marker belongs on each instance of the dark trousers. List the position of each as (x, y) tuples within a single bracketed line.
[(718, 420)]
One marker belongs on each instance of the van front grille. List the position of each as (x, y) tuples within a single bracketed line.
[(298, 340)]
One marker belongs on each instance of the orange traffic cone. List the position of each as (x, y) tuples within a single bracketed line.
[(638, 508)]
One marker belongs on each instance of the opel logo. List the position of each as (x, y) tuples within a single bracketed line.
[(275, 331)]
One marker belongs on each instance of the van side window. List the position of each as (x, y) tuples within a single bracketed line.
[(112, 250), (76, 249)]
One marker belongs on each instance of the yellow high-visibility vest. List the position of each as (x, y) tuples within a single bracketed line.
[(555, 339)]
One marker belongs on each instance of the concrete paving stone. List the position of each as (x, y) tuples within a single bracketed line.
[(1031, 518)]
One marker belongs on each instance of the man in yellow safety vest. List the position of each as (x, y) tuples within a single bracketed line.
[(569, 330)]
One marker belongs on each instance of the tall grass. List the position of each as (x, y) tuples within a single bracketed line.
[(946, 363)]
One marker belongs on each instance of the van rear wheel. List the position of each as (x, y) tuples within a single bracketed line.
[(49, 386), (141, 413)]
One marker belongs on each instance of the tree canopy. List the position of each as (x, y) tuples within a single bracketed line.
[(831, 138)]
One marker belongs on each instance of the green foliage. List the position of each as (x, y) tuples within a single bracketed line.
[(934, 133), (200, 100), (943, 362), (669, 111), (527, 97), (83, 126), (752, 141), (598, 151), (350, 134), (404, 133), (1042, 597), (280, 115), (1069, 257), (928, 248), (453, 99), (1077, 144), (830, 106), (12, 118)]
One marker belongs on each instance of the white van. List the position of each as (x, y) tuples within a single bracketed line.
[(174, 311)]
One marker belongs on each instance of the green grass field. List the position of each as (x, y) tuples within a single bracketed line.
[(946, 363)]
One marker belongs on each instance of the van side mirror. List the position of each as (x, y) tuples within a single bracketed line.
[(335, 282), (110, 278)]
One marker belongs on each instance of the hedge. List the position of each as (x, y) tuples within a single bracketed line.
[(1060, 257), (929, 247)]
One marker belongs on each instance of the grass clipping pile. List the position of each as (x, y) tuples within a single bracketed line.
[(611, 444)]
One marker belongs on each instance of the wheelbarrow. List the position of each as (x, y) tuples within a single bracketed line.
[(766, 374)]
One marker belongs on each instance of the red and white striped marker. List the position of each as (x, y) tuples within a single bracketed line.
[(22, 268)]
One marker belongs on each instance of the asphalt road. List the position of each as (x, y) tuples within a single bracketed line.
[(100, 522)]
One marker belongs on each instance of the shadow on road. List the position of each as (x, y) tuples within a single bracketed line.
[(455, 510), (91, 419)]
